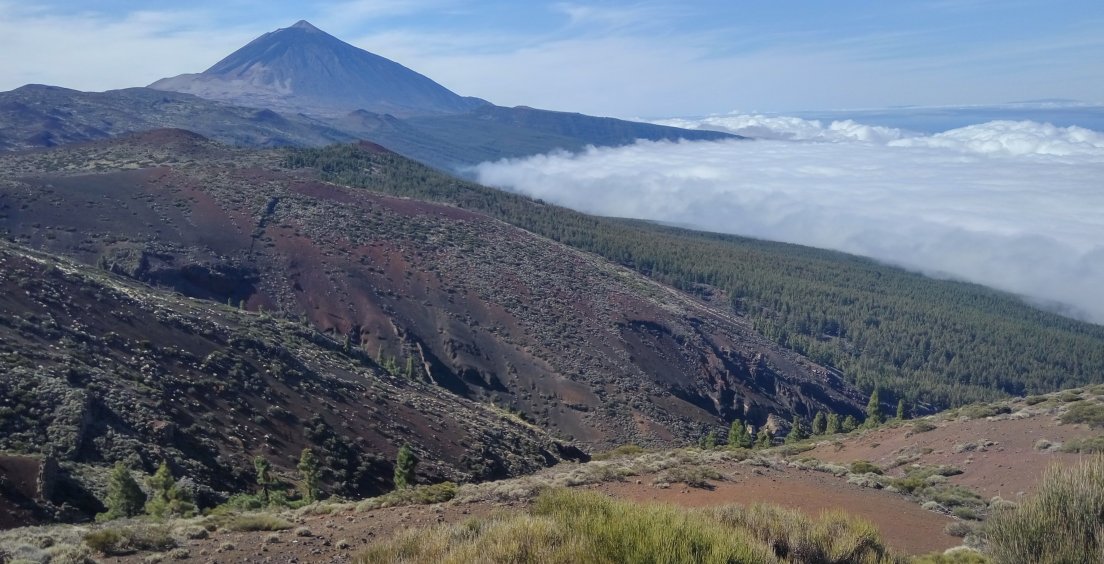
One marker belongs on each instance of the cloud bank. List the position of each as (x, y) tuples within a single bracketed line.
[(1012, 205)]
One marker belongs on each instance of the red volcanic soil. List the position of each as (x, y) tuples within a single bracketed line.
[(1009, 466), (904, 524)]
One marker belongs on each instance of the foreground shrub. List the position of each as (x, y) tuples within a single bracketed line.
[(257, 522), (417, 495), (1089, 445), (1060, 523), (834, 538), (572, 526), (126, 540)]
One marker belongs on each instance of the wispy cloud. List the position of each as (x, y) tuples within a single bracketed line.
[(1014, 205)]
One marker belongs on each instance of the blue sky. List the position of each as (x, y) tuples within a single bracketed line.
[(659, 58)]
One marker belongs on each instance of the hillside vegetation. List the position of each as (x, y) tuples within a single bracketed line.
[(934, 342)]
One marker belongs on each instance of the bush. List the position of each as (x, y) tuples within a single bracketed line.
[(126, 540), (959, 528), (1089, 445), (693, 476), (922, 427), (619, 452), (1060, 523), (864, 467), (959, 555), (1084, 412), (980, 411), (418, 495), (257, 522)]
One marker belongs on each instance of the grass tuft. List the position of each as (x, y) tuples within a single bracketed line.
[(573, 526), (1060, 523)]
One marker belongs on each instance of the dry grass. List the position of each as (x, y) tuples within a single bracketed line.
[(1060, 523), (571, 526)]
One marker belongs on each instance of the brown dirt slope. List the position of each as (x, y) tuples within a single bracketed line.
[(492, 313), (96, 368)]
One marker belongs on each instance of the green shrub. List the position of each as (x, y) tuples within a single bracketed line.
[(959, 528), (953, 556), (418, 495), (257, 522), (125, 540), (1088, 445), (693, 476), (980, 411), (619, 452), (922, 426), (1090, 413), (865, 467)]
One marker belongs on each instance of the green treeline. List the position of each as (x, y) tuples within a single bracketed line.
[(930, 342)]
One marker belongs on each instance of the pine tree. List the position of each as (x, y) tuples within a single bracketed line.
[(850, 424), (797, 432), (873, 410), (820, 423), (738, 435), (833, 426), (264, 475), (308, 469), (764, 438), (405, 464), (166, 497), (900, 410), (124, 497)]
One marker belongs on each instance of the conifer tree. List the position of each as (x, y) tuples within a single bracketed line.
[(833, 426), (850, 424), (308, 470), (738, 435), (405, 464), (900, 410), (124, 497), (264, 475), (797, 432), (764, 438), (166, 498), (820, 423), (873, 410)]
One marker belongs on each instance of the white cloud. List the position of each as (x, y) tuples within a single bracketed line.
[(93, 51), (1014, 205)]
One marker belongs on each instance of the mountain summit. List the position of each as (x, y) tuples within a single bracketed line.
[(304, 69)]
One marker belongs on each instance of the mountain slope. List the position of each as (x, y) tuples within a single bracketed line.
[(303, 69), (46, 116), (97, 368), (936, 343), (454, 142), (487, 311)]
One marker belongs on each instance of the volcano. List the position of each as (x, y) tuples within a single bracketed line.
[(302, 69)]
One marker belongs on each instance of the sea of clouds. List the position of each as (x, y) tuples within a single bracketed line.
[(1016, 205)]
